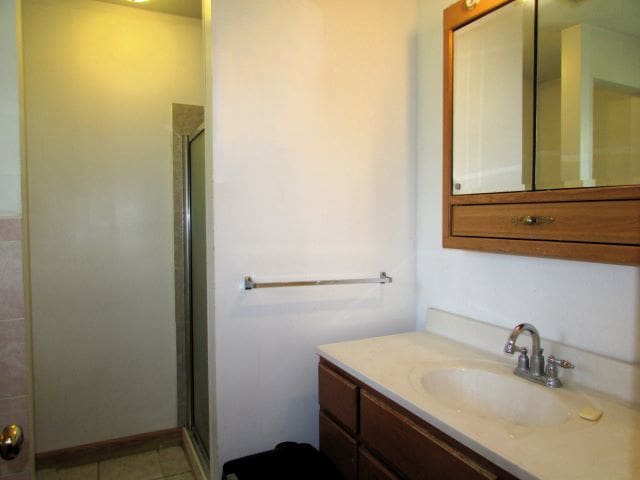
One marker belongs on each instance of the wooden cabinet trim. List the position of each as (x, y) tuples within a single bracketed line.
[(411, 448), (338, 397), (588, 252), (338, 446), (370, 468), (629, 192)]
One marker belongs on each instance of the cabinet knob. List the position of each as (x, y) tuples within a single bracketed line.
[(530, 220)]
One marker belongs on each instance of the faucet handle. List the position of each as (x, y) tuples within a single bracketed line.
[(551, 377), (561, 363)]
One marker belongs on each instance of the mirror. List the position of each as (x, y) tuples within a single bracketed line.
[(587, 91), (492, 133)]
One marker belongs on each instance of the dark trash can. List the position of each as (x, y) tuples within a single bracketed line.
[(288, 461)]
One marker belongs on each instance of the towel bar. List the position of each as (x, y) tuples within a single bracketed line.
[(250, 284)]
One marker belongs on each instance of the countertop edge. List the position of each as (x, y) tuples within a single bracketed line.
[(480, 449)]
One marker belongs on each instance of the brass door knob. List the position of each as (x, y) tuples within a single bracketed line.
[(11, 441)]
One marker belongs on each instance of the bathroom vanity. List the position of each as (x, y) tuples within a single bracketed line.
[(368, 436), (420, 405)]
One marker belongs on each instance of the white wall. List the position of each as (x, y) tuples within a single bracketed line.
[(587, 305), (313, 131), (100, 80), (207, 35)]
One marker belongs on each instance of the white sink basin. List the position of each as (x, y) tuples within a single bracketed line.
[(496, 395)]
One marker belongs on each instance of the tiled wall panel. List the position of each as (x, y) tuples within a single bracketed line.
[(14, 391)]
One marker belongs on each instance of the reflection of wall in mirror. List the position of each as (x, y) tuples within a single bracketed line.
[(488, 123), (548, 162), (589, 118), (616, 134)]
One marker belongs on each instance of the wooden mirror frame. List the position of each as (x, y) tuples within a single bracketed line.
[(595, 224)]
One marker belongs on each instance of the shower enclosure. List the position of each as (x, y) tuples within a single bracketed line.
[(195, 281)]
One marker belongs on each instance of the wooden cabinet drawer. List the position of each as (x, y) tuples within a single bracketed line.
[(611, 222), (411, 449), (339, 448), (338, 397), (370, 468)]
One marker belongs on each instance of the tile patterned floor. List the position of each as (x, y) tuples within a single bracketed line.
[(164, 464)]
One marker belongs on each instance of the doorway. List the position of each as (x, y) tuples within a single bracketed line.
[(100, 79)]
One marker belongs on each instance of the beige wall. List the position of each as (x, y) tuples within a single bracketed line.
[(100, 80), (548, 158), (616, 135)]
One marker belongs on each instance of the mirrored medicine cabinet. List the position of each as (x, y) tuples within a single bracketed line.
[(542, 128)]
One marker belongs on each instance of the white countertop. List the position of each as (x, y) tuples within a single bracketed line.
[(573, 449)]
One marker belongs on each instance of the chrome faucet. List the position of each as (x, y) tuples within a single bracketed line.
[(534, 369), (537, 359)]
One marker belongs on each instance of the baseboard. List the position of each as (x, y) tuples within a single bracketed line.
[(117, 447), (197, 465)]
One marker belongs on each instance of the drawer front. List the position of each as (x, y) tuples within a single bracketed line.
[(339, 448), (338, 397), (410, 449), (370, 468), (614, 222)]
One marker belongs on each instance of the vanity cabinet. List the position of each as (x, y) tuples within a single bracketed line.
[(369, 437)]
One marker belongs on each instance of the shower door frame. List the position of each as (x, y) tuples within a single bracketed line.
[(186, 166)]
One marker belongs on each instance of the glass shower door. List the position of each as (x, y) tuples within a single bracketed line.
[(197, 290)]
